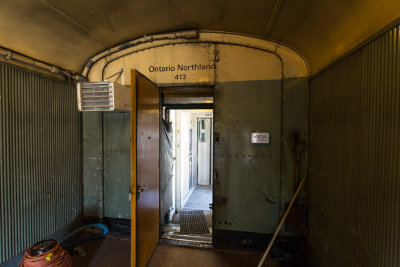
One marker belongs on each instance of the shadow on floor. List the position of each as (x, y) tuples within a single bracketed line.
[(112, 252), (168, 256), (104, 252)]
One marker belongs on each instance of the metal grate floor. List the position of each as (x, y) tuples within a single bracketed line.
[(193, 222)]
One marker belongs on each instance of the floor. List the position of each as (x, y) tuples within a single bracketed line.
[(168, 256), (115, 250), (207, 215), (172, 234), (112, 252), (200, 198)]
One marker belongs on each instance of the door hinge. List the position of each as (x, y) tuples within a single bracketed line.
[(216, 137)]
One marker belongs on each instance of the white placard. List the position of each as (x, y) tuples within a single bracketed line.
[(259, 138)]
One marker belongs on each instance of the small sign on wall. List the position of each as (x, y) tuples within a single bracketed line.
[(259, 138)]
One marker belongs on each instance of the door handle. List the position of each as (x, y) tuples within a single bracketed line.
[(129, 189), (140, 188)]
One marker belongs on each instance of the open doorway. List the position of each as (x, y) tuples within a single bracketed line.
[(189, 132), (192, 130), (191, 216)]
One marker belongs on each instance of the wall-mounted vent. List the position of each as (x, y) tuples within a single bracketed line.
[(103, 96)]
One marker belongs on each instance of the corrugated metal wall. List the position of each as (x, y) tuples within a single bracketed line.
[(166, 171), (40, 159), (354, 181)]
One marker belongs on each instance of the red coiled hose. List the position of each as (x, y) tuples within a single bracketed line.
[(54, 256)]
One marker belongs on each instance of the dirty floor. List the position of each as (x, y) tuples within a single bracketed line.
[(168, 256), (109, 251), (112, 252)]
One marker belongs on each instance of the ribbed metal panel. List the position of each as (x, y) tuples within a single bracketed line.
[(40, 159), (354, 181)]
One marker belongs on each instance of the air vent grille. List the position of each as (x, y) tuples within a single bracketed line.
[(95, 96)]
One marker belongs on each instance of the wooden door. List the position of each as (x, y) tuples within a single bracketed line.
[(145, 123)]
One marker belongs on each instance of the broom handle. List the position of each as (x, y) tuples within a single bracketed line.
[(282, 221)]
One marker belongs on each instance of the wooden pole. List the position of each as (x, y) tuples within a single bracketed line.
[(282, 221)]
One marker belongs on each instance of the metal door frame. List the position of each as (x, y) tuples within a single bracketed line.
[(211, 146)]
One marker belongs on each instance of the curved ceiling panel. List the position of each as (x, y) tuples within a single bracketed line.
[(69, 32), (325, 30)]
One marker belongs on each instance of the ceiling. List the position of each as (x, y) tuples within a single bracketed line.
[(69, 32)]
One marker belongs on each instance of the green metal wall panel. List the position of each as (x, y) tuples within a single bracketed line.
[(40, 159), (93, 190), (294, 148), (294, 136), (254, 183), (247, 176), (354, 185), (117, 164)]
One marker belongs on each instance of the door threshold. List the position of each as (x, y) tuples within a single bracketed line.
[(179, 241), (173, 236)]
